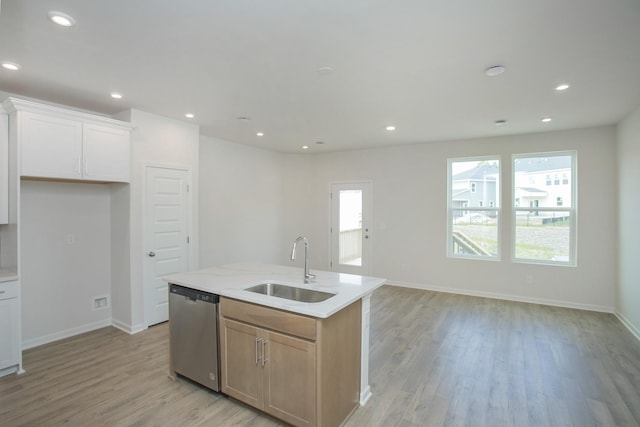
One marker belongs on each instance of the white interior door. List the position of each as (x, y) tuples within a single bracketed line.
[(166, 236), (351, 227)]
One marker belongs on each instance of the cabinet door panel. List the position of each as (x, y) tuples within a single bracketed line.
[(51, 147), (290, 385), (241, 370), (9, 340), (106, 153)]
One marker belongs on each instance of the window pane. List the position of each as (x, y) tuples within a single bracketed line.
[(350, 242), (474, 207), (534, 177), (544, 236), (474, 233), (475, 183)]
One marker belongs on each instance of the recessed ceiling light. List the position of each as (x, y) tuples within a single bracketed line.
[(189, 115), (61, 19), (494, 70), (562, 87), (500, 122), (260, 134), (304, 147), (244, 119), (320, 142), (116, 95), (546, 120), (323, 71), (10, 65), (390, 128)]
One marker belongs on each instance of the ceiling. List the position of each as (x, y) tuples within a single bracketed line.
[(416, 64)]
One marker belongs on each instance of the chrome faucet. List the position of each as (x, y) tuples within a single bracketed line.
[(307, 276)]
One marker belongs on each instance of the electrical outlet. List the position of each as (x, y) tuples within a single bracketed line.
[(71, 239), (100, 303)]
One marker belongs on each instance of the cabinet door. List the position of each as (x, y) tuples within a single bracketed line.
[(241, 363), (4, 169), (106, 153), (290, 372), (51, 147), (9, 328)]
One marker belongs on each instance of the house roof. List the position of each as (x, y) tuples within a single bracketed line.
[(538, 164), (481, 172)]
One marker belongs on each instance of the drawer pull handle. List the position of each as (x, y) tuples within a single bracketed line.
[(264, 354), (257, 357)]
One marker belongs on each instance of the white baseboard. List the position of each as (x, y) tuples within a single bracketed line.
[(125, 327), (635, 331), (508, 297), (46, 339)]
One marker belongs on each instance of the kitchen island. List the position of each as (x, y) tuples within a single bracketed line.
[(246, 313)]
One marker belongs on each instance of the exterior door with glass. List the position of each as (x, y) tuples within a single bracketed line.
[(351, 227)]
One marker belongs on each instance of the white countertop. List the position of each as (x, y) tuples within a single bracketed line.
[(8, 275), (231, 280)]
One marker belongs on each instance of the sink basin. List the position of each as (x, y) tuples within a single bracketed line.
[(290, 292)]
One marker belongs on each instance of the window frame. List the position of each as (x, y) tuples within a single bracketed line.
[(572, 209), (496, 209)]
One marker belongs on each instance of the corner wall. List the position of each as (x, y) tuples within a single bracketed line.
[(241, 204), (160, 141), (628, 297), (409, 185)]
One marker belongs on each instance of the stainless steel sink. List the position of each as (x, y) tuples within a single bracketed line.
[(290, 292)]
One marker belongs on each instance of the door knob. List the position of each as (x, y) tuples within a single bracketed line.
[(151, 254)]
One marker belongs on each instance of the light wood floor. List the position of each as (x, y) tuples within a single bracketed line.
[(436, 360)]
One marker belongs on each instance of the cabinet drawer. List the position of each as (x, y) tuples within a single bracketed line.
[(9, 290), (269, 318)]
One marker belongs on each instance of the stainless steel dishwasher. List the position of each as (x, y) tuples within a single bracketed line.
[(193, 320)]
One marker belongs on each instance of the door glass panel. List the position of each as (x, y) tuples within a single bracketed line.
[(350, 241)]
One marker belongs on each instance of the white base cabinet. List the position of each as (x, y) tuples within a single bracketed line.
[(10, 352)]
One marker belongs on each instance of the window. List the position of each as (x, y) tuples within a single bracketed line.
[(473, 228), (548, 179), (544, 230)]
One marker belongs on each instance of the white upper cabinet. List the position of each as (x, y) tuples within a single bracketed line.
[(50, 147), (105, 153), (4, 168), (56, 143)]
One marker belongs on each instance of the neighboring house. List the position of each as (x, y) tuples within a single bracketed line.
[(477, 187), (543, 182), (539, 182)]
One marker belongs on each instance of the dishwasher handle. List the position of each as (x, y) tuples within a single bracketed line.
[(193, 295)]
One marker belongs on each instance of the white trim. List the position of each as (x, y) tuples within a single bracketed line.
[(627, 323), (125, 327), (367, 207), (46, 339), (191, 255), (507, 297), (497, 208), (12, 105), (572, 209)]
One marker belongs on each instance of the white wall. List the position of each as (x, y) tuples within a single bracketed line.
[(65, 259), (160, 141), (409, 216), (628, 298), (240, 204)]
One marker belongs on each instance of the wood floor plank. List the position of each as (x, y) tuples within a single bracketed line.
[(436, 359)]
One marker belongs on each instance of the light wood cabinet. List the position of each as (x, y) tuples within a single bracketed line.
[(10, 353), (302, 370), (55, 143)]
